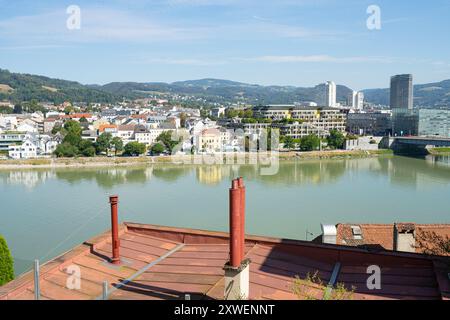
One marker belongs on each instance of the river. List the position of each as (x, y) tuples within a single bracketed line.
[(45, 212)]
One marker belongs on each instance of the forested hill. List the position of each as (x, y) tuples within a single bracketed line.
[(18, 87), (216, 90)]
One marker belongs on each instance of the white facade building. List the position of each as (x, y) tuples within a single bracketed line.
[(26, 150), (356, 100), (330, 94)]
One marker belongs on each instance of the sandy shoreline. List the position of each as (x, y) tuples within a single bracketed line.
[(134, 161)]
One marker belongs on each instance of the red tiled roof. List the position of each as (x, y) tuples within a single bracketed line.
[(139, 116), (102, 127), (382, 235), (77, 116), (166, 263)]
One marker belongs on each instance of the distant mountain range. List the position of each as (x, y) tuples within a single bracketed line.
[(23, 87)]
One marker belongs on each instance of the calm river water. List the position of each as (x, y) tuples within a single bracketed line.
[(46, 212)]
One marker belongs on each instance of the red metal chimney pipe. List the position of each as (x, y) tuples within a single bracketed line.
[(114, 200), (235, 225), (242, 238)]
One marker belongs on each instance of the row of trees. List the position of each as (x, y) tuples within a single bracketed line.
[(335, 140), (73, 145)]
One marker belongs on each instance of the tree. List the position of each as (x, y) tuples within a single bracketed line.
[(134, 148), (68, 110), (6, 109), (86, 148), (72, 133), (289, 143), (73, 126), (157, 148), (117, 145), (231, 113), (310, 143), (336, 139), (83, 120), (66, 149), (6, 263), (103, 143), (57, 128), (248, 113), (166, 139)]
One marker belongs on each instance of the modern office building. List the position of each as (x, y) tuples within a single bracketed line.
[(423, 122), (330, 94), (402, 91), (369, 123), (434, 122), (405, 122)]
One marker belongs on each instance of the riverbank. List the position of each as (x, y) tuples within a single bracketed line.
[(199, 159), (439, 151)]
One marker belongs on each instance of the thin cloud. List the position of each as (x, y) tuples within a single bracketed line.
[(320, 59), (97, 25), (175, 61)]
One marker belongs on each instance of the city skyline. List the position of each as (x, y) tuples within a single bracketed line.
[(300, 43)]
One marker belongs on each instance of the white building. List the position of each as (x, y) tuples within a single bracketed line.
[(356, 100), (125, 132), (25, 150), (330, 94)]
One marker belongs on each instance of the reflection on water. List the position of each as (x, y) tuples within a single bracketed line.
[(48, 211), (402, 171)]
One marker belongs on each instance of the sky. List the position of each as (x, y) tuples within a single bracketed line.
[(277, 42)]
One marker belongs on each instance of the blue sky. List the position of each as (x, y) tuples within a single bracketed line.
[(282, 42)]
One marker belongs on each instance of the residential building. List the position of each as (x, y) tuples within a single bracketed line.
[(50, 123), (398, 236), (401, 92), (298, 130), (125, 132), (274, 112), (210, 140), (24, 150), (9, 138)]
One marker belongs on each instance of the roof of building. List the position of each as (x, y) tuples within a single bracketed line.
[(382, 235), (126, 127), (293, 107), (77, 115), (105, 126), (167, 263)]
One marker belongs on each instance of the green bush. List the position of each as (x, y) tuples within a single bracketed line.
[(6, 263)]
